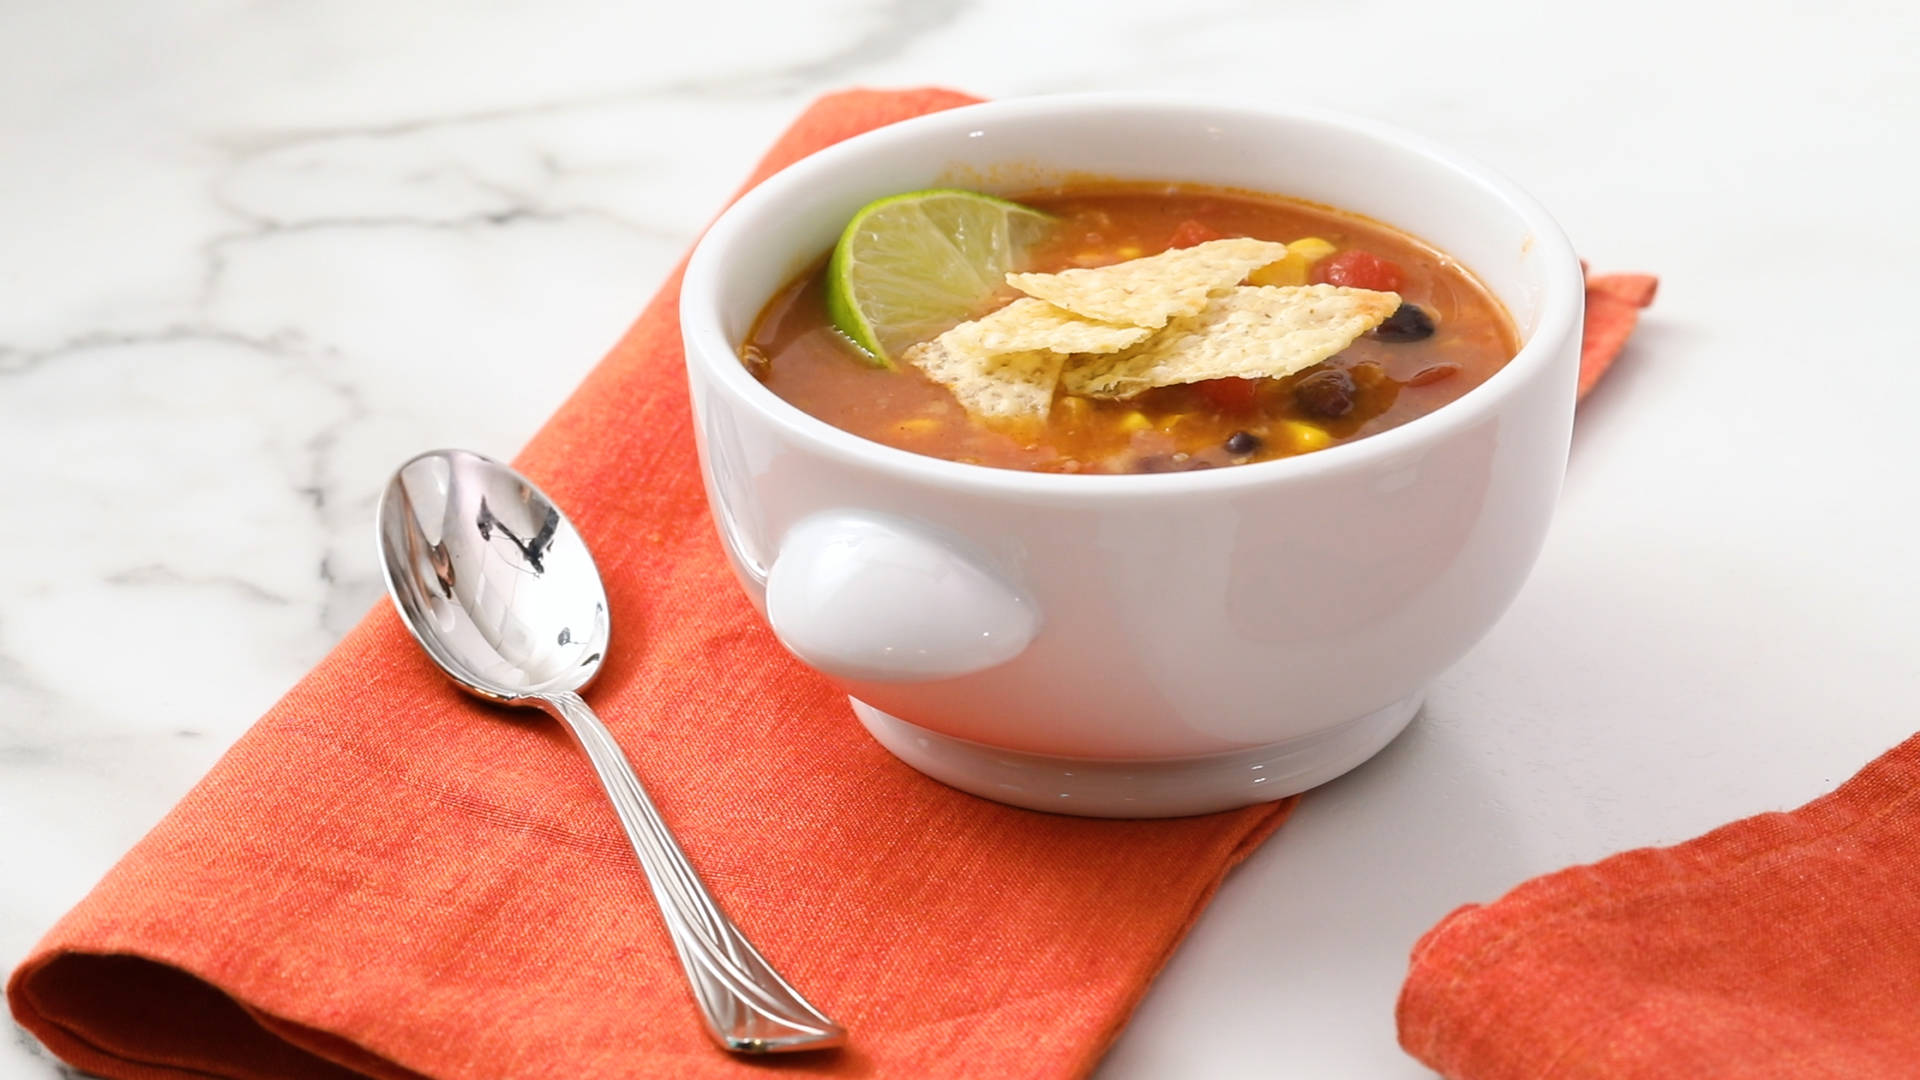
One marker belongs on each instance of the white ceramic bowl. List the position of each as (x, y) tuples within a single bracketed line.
[(1143, 645)]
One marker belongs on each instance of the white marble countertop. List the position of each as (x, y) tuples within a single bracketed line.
[(256, 254)]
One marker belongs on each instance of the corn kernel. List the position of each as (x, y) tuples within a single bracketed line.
[(1303, 437), (1074, 411), (1134, 421), (1171, 425), (919, 425), (1311, 248), (1290, 270)]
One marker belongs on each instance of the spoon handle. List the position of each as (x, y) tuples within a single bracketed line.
[(748, 1007)]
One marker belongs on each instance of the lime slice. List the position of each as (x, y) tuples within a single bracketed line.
[(909, 267)]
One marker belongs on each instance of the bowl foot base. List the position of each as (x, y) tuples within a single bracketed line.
[(1140, 789)]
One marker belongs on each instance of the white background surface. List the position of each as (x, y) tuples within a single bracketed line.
[(252, 255)]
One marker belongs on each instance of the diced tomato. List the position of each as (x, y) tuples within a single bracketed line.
[(1191, 232), (1232, 395), (1357, 270)]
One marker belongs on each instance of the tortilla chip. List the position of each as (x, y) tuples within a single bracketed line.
[(1027, 325), (1150, 291), (994, 386), (1252, 332)]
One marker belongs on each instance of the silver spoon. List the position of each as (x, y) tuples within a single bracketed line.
[(495, 584)]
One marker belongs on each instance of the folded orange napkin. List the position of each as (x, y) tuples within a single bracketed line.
[(1613, 307), (386, 878), (1783, 945), (386, 875)]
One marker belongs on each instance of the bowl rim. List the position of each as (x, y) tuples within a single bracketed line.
[(707, 344)]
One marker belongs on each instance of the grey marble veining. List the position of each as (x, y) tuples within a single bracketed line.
[(255, 255)]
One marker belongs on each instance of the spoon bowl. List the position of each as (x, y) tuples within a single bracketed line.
[(491, 578), (494, 583)]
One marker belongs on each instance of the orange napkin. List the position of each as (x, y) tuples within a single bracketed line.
[(1613, 307), (386, 878), (1783, 945)]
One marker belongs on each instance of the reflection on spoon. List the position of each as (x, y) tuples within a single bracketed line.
[(499, 589)]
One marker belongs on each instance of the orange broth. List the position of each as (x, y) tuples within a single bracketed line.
[(1373, 385)]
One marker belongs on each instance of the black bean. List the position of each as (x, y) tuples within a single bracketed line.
[(1327, 394), (1407, 323), (1242, 443)]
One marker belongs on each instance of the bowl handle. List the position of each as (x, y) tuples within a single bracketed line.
[(872, 598)]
